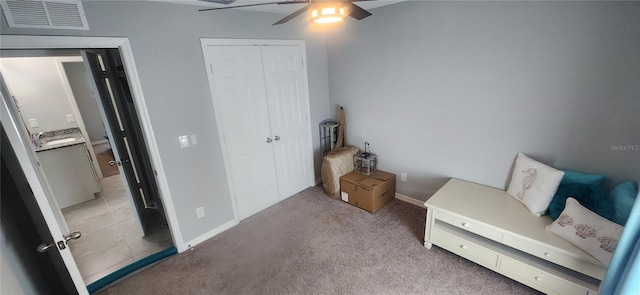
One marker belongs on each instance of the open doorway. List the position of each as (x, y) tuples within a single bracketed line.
[(118, 226)]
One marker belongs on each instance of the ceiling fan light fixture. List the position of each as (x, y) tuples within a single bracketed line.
[(327, 13)]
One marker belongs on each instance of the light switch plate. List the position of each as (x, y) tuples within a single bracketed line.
[(184, 141)]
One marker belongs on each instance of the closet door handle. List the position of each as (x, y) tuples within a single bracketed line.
[(269, 140), (276, 138)]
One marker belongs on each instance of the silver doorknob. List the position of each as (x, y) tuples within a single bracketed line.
[(276, 138), (44, 248), (119, 163), (269, 140), (72, 236)]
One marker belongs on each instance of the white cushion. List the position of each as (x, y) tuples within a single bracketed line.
[(534, 184), (587, 230)]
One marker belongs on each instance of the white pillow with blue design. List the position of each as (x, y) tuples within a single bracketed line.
[(587, 230), (534, 184)]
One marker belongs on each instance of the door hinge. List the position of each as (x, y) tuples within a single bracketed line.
[(120, 72), (104, 74), (122, 133)]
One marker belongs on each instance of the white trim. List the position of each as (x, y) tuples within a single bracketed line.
[(250, 42), (97, 142), (212, 233), (225, 159), (57, 42), (410, 200)]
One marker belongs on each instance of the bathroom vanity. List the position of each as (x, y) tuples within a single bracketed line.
[(69, 169)]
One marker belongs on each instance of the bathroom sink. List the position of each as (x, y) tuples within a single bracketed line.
[(59, 141)]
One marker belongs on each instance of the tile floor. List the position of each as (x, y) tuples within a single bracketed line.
[(111, 238)]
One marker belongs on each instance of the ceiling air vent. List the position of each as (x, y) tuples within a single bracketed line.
[(46, 14)]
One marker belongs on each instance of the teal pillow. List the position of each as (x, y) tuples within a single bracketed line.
[(590, 196), (579, 177), (623, 196)]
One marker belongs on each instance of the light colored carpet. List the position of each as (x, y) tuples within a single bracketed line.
[(312, 244)]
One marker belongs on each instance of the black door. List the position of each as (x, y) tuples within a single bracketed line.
[(117, 101)]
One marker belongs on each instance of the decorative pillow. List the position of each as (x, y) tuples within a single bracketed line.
[(579, 177), (623, 196), (534, 183), (587, 230), (591, 196)]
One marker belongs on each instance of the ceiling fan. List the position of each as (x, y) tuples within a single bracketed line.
[(320, 11)]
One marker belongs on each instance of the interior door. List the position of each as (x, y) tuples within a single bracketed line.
[(26, 228), (51, 227), (125, 135), (287, 95), (241, 103)]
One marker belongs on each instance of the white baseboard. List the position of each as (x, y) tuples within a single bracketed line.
[(410, 200), (206, 236), (99, 142)]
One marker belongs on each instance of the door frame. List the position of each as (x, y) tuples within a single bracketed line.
[(216, 106), (123, 45)]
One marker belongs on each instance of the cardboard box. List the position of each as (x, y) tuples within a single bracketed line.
[(369, 192)]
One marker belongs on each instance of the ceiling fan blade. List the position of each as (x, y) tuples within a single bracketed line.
[(238, 6), (293, 15), (358, 12), (293, 2)]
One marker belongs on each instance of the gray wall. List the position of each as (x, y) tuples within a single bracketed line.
[(456, 89), (87, 105), (48, 103), (166, 47)]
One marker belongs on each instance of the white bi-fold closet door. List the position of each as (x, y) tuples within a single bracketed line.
[(261, 103)]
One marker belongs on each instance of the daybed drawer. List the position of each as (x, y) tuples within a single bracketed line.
[(469, 225), (538, 279), (555, 256), (464, 248)]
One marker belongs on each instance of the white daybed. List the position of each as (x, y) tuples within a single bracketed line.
[(492, 229)]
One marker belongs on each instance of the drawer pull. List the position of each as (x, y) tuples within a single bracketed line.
[(463, 247), (464, 224), (539, 279), (547, 254)]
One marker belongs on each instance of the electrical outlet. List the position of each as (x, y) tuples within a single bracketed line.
[(194, 139), (33, 123), (403, 177), (70, 118), (200, 212)]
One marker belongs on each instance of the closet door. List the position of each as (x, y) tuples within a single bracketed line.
[(287, 95), (240, 96)]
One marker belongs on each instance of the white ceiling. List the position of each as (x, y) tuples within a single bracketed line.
[(274, 8)]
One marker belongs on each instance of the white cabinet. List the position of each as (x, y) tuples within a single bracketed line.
[(261, 105), (492, 229), (70, 174)]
